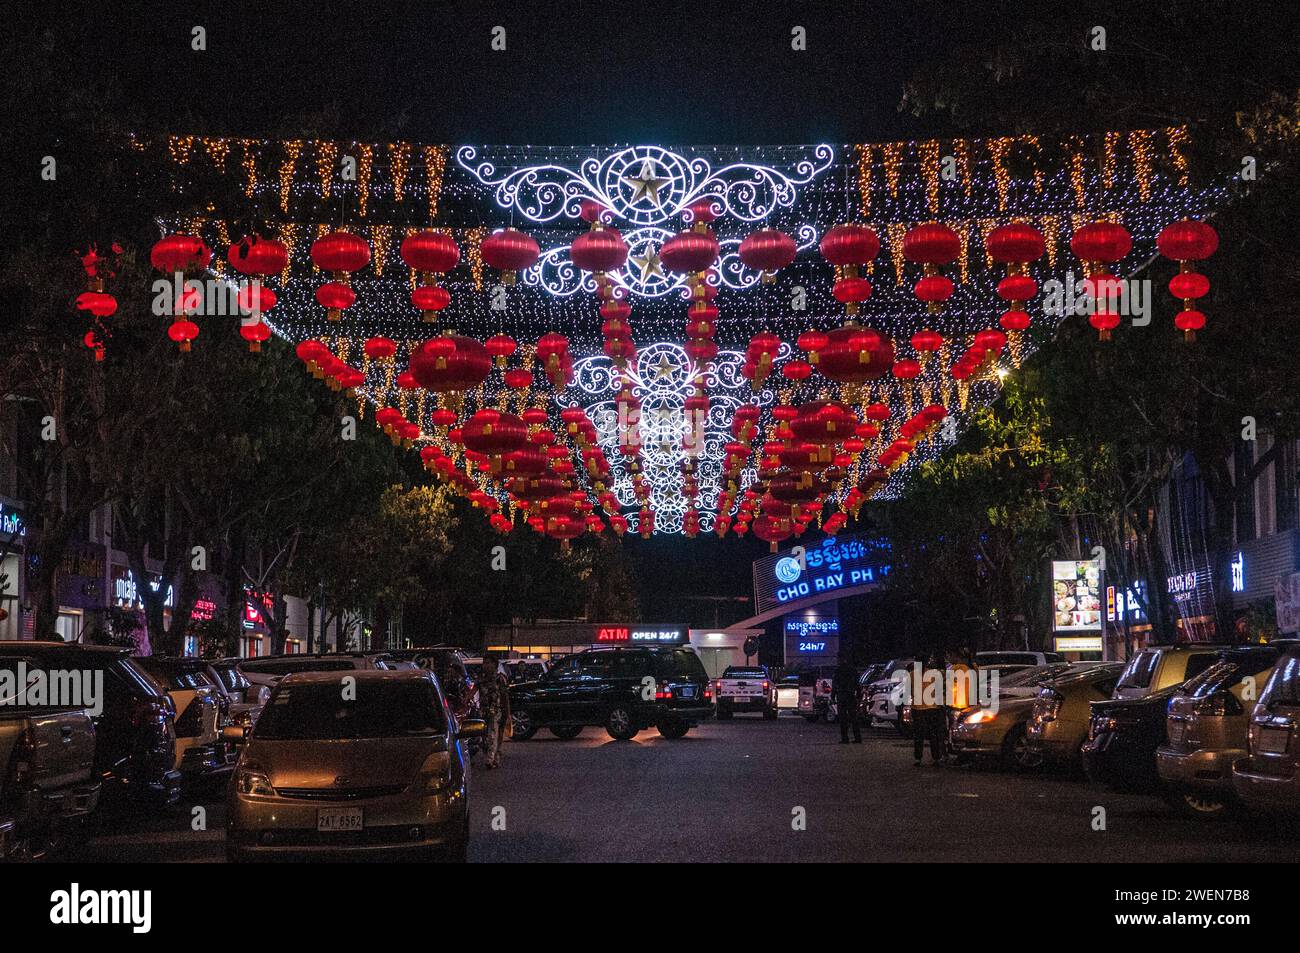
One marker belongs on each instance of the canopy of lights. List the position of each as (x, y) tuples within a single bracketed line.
[(654, 339)]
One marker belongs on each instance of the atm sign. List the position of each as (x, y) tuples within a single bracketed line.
[(613, 633)]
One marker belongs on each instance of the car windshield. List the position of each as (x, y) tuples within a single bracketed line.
[(737, 671), (176, 678), (1283, 687), (680, 664), (1140, 670), (1024, 677), (319, 712)]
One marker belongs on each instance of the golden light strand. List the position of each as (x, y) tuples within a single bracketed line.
[(364, 168), (998, 149), (474, 239), (292, 147), (963, 261), (930, 169), (893, 155), (180, 147), (321, 231), (1139, 141), (1032, 142), (380, 237), (435, 162), (399, 157), (1108, 160), (289, 236), (1177, 136), (1050, 226), (864, 177), (249, 162), (1076, 172), (896, 231), (961, 151), (326, 155), (217, 150)]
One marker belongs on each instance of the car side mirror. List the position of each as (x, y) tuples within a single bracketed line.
[(472, 728), (236, 733)]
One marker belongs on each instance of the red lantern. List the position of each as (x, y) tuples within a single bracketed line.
[(430, 299), (183, 332), (796, 371), (1015, 243), (767, 251), (854, 355), (255, 334), (98, 304), (380, 348), (1185, 242), (847, 246), (180, 253), (824, 422), (851, 292), (510, 251), (450, 363), (494, 432), (599, 251), (771, 530), (689, 252), (95, 343), (431, 253), (1101, 242), (340, 253), (932, 243), (254, 255), (500, 346)]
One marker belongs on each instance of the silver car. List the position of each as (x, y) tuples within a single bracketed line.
[(353, 763)]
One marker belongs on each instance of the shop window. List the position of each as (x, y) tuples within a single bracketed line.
[(68, 625)]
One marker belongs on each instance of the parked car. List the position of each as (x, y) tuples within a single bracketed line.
[(135, 740), (200, 756), (1123, 736), (524, 669), (745, 688), (882, 696), (869, 677), (980, 732), (47, 767), (244, 700), (1059, 721), (622, 689), (1208, 722), (1160, 666), (787, 693), (816, 700), (999, 658), (1268, 778), (269, 669), (383, 773)]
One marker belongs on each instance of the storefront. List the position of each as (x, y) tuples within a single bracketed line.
[(555, 639), (12, 532), (81, 590)]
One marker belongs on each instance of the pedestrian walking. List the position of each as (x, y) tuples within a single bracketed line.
[(844, 688), (929, 720), (494, 708)]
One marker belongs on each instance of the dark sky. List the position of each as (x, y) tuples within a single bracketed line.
[(572, 72)]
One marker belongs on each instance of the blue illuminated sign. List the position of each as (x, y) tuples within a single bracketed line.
[(837, 562)]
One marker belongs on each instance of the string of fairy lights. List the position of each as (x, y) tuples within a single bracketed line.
[(298, 191)]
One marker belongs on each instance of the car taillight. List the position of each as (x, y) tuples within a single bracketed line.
[(1218, 705), (766, 686), (150, 713), (663, 692), (708, 693)]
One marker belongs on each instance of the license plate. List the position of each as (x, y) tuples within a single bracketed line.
[(346, 819), (1176, 731), (1272, 740), (687, 691)]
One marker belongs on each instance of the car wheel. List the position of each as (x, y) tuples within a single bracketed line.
[(1017, 753), (620, 724), (674, 729), (1195, 804), (724, 713), (567, 733), (522, 725)]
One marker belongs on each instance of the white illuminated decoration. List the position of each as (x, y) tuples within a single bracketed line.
[(644, 275), (647, 185), (662, 378)]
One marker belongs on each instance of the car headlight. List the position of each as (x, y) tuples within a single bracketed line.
[(980, 716), (251, 779), (435, 773)]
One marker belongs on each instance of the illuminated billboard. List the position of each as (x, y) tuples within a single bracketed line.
[(1076, 595)]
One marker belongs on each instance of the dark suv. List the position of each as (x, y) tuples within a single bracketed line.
[(135, 734), (622, 689)]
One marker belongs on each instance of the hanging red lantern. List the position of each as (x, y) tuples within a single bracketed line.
[(509, 251), (255, 334), (796, 371), (95, 343), (700, 212), (690, 253), (430, 254), (599, 251), (494, 432), (932, 244), (1185, 242), (767, 251), (98, 304), (854, 355), (180, 253), (849, 246), (824, 422), (1098, 244), (380, 348), (851, 292), (771, 530), (1015, 245), (450, 363), (254, 255), (183, 331), (339, 254), (500, 346)]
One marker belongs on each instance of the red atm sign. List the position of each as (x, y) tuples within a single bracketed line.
[(613, 633), (641, 634)]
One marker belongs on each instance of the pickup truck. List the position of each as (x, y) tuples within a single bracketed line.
[(745, 688), (47, 768)]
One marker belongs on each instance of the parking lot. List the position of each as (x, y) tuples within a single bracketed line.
[(733, 791)]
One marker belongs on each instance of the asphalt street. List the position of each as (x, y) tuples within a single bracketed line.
[(752, 790)]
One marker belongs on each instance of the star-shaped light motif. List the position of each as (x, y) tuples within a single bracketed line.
[(647, 184), (648, 264), (665, 368)]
